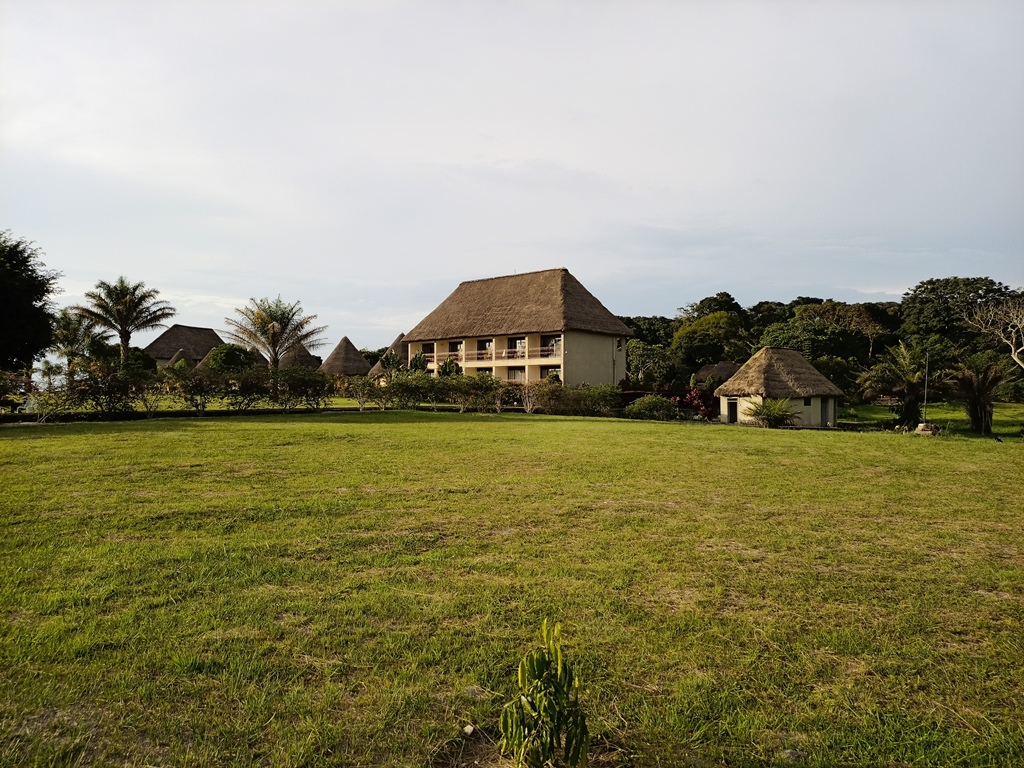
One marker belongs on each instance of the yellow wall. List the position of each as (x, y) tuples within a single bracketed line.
[(806, 415), (590, 358)]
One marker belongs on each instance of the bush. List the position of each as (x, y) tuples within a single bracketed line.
[(546, 717), (652, 407), (772, 413)]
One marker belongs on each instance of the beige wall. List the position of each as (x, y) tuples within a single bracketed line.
[(806, 415), (590, 358)]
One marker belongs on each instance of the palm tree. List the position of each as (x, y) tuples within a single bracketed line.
[(900, 374), (976, 381), (274, 328), (75, 336), (125, 308)]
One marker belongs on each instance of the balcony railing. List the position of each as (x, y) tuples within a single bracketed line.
[(530, 353)]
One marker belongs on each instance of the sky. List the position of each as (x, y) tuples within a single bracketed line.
[(365, 157)]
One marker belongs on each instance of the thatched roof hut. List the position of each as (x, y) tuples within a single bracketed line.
[(299, 355), (549, 301), (400, 347), (345, 360), (775, 372), (191, 342), (719, 372)]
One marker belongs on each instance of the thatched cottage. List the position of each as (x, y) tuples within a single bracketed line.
[(524, 328), (345, 360), (401, 349), (775, 373), (183, 342)]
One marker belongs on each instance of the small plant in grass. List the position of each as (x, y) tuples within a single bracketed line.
[(546, 716), (653, 407), (772, 413)]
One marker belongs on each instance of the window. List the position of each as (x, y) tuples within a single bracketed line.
[(517, 373), (550, 370), (484, 348), (807, 401), (551, 346), (516, 347), (454, 346), (428, 348)]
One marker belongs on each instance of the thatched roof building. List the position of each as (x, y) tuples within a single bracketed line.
[(400, 347), (550, 301), (180, 355), (345, 360), (719, 372), (775, 372), (299, 355), (192, 343)]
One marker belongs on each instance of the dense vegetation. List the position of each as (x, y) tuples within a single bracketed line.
[(354, 589)]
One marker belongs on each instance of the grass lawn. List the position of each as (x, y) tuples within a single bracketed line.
[(351, 589)]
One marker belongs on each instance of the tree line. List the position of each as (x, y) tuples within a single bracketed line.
[(955, 332)]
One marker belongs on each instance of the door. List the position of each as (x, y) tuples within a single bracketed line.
[(733, 412)]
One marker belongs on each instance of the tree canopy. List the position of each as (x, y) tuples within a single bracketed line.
[(274, 328), (26, 310), (940, 307), (125, 308)]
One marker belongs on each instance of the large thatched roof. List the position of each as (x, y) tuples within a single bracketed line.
[(299, 355), (400, 347), (193, 343), (777, 372), (346, 360), (534, 302), (720, 372)]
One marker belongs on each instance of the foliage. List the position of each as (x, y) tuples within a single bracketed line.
[(26, 311), (125, 308), (391, 364), (418, 362), (302, 384), (76, 337), (900, 374), (816, 338), (584, 400), (651, 407), (708, 339), (654, 330), (645, 363), (194, 387), (245, 388), (841, 372), (772, 413), (940, 308), (233, 358), (976, 382), (702, 400), (274, 328), (373, 355), (546, 718), (449, 368), (720, 302), (1002, 321), (360, 388)]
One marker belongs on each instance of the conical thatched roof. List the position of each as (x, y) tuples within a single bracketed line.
[(180, 355), (720, 372), (299, 355), (776, 372), (345, 360), (535, 302), (192, 342), (400, 347)]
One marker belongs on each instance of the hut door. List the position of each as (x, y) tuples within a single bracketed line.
[(825, 411), (733, 412)]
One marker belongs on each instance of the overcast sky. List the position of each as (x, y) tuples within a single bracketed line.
[(366, 157)]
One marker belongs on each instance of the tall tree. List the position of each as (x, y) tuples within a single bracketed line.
[(976, 381), (125, 308), (1002, 321), (937, 309), (709, 339), (274, 328), (709, 305), (902, 373), (26, 311), (76, 337)]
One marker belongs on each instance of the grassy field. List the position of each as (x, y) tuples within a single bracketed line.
[(351, 589)]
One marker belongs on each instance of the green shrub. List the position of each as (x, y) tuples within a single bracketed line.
[(652, 407), (773, 413), (545, 717)]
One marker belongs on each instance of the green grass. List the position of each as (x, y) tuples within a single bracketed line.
[(1007, 421), (351, 589)]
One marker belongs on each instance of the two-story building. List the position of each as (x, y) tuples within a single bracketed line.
[(524, 328)]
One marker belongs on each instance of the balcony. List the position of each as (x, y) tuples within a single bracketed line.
[(529, 353)]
